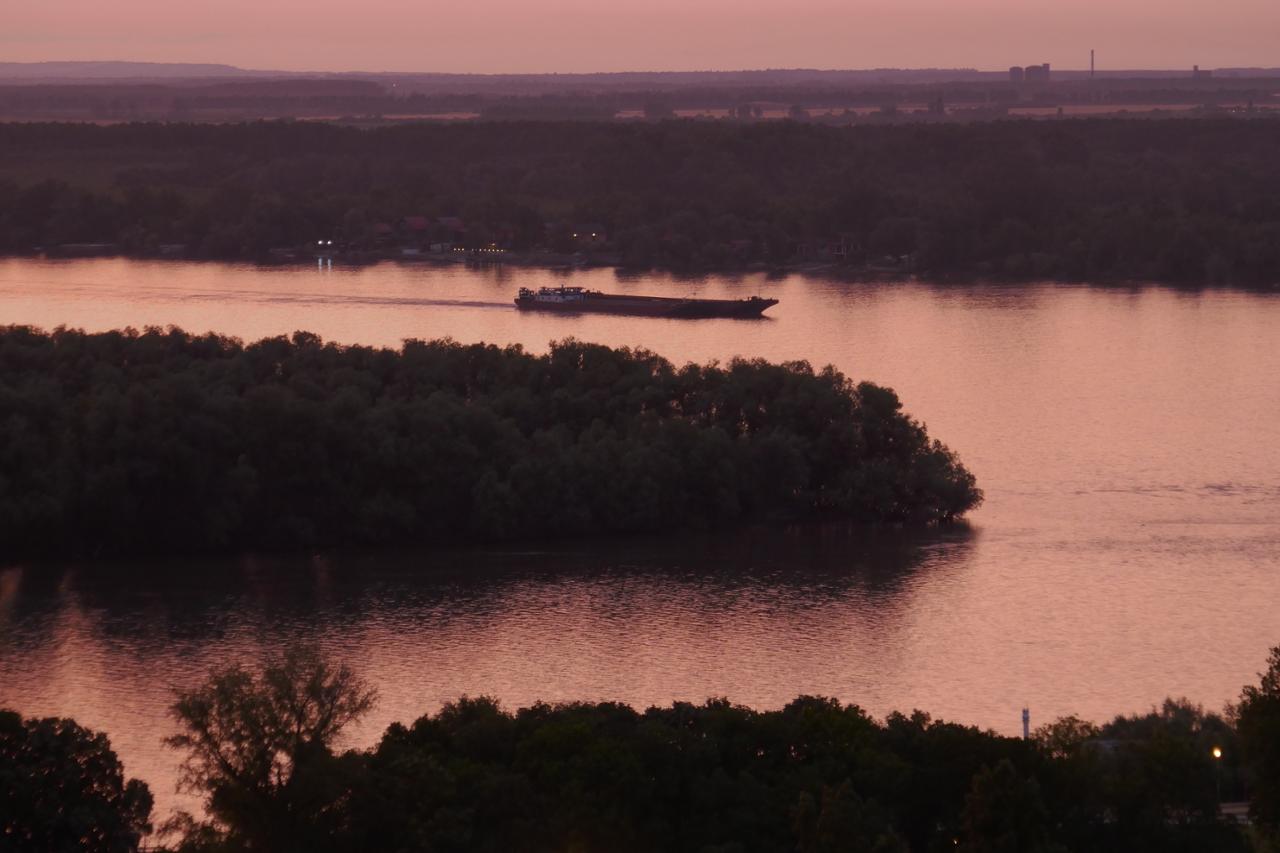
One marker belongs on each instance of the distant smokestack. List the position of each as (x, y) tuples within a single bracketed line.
[(1091, 63), (1026, 724)]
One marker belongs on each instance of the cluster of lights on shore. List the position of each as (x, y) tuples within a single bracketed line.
[(487, 249)]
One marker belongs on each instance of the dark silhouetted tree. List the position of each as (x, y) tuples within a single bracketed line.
[(62, 789), (259, 750), (1258, 721)]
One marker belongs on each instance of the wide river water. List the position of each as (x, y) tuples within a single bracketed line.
[(1128, 440)]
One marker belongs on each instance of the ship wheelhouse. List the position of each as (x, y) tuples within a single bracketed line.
[(555, 294)]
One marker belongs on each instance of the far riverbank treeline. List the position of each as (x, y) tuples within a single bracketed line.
[(161, 441), (257, 745), (1192, 200)]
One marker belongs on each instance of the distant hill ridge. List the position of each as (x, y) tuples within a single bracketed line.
[(114, 70), (121, 70), (751, 82), (124, 70)]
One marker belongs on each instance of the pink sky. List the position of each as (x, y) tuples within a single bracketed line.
[(615, 35)]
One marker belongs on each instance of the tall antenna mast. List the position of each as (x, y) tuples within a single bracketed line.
[(1090, 63)]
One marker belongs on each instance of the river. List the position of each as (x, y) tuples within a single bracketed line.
[(1128, 440)]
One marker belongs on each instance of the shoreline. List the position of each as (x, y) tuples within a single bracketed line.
[(878, 540), (567, 264)]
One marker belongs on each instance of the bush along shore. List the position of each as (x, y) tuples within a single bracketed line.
[(257, 746), (159, 441)]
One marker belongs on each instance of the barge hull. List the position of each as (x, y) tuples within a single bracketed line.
[(652, 306)]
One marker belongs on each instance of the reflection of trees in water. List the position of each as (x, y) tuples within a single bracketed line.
[(726, 606), (805, 565), (802, 566), (10, 579), (756, 613)]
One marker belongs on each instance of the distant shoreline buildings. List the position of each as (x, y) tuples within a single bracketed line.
[(1030, 73), (1040, 73)]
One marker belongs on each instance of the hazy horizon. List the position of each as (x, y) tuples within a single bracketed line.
[(572, 36), (267, 70)]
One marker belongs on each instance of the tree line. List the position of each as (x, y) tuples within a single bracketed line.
[(258, 746), (162, 441), (1191, 200)]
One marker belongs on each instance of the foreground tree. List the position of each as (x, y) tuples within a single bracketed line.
[(62, 788), (1142, 781), (1258, 725), (260, 751), (843, 821), (816, 775), (1004, 813)]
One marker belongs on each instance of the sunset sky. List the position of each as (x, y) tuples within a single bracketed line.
[(615, 35)]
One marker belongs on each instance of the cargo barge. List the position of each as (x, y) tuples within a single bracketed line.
[(578, 300)]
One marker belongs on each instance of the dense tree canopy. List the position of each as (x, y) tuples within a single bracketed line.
[(63, 790), (1190, 200), (127, 441), (816, 775), (1152, 776)]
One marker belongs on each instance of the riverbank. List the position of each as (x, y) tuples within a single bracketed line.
[(542, 259), (1089, 199), (561, 264)]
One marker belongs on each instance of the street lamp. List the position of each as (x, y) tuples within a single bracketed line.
[(1217, 772)]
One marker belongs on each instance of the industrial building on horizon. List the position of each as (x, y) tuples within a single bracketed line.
[(1029, 73)]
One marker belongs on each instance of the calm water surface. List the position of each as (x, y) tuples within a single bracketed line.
[(1128, 441)]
